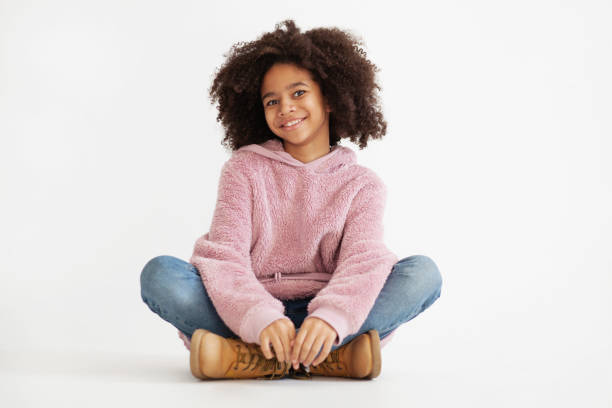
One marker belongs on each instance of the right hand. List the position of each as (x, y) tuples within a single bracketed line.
[(281, 334)]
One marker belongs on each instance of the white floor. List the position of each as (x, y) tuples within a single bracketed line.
[(413, 375)]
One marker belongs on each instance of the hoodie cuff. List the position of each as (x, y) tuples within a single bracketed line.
[(336, 318), (257, 320)]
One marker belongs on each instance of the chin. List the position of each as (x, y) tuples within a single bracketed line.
[(297, 141)]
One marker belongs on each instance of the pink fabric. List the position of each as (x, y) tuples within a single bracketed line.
[(186, 341), (276, 216), (387, 339)]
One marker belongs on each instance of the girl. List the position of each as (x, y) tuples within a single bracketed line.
[(296, 238)]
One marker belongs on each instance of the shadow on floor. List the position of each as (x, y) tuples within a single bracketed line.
[(107, 366)]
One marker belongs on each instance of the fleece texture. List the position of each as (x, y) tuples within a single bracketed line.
[(283, 229)]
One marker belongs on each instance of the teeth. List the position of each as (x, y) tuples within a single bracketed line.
[(292, 123)]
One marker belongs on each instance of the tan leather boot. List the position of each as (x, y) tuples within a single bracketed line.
[(360, 358), (213, 356)]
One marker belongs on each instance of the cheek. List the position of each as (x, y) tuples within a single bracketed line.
[(269, 117), (315, 107)]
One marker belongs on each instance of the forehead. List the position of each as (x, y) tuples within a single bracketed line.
[(280, 75)]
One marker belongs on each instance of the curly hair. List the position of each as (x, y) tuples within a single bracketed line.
[(336, 62)]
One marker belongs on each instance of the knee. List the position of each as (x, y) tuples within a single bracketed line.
[(423, 272), (169, 283), (153, 275)]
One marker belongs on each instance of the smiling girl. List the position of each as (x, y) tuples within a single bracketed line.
[(296, 238)]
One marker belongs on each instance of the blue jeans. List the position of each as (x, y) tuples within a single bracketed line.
[(173, 289)]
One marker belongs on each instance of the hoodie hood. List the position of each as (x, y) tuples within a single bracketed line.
[(338, 157)]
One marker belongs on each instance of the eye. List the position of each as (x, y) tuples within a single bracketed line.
[(274, 100)]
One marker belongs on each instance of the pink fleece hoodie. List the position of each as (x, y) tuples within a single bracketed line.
[(283, 229)]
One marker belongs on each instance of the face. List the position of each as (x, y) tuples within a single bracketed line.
[(290, 94)]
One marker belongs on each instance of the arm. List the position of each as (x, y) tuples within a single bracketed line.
[(222, 256), (364, 263)]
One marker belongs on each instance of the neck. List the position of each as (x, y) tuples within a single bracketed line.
[(308, 153)]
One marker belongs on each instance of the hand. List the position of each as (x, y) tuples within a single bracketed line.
[(313, 334), (280, 333)]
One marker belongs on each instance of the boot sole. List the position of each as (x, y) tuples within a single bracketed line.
[(194, 358), (376, 357)]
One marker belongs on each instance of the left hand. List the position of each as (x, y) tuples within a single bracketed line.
[(313, 334)]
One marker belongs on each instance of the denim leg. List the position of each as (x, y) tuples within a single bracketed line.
[(413, 285), (173, 289), (297, 310)]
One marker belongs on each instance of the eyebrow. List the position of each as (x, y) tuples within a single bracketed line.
[(293, 85)]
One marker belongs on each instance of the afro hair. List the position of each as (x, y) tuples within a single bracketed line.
[(336, 61)]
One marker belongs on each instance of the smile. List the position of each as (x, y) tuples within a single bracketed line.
[(293, 125)]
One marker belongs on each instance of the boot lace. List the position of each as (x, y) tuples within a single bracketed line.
[(332, 362), (301, 373), (250, 358)]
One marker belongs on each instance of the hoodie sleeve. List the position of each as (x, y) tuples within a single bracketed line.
[(364, 264), (222, 256)]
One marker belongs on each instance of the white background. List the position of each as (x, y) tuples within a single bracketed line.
[(497, 161)]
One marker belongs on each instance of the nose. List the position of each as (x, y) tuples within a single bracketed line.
[(286, 107)]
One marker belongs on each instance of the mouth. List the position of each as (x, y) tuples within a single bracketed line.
[(293, 124)]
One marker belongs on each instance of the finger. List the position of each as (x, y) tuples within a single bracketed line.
[(287, 348), (278, 348), (265, 347), (306, 346), (292, 332), (325, 352), (290, 341), (297, 346), (314, 350), (292, 350)]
